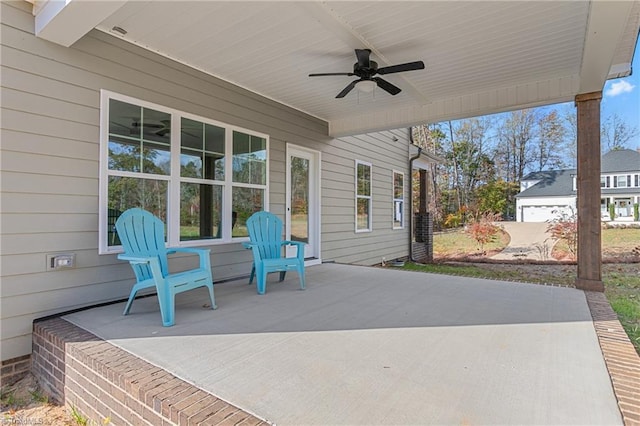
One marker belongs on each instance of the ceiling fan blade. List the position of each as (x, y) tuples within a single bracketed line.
[(347, 89), (386, 86), (363, 57), (409, 66), (322, 74)]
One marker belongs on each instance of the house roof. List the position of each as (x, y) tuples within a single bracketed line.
[(553, 183), (481, 57), (560, 182), (621, 160)]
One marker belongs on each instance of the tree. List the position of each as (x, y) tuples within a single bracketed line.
[(497, 197), (548, 152), (616, 133), (570, 123), (471, 164), (514, 151)]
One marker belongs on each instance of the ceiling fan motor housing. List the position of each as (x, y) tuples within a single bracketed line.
[(365, 72)]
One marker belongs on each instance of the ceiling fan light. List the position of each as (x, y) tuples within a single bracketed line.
[(366, 86)]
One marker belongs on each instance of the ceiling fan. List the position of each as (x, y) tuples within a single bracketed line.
[(163, 126), (366, 69)]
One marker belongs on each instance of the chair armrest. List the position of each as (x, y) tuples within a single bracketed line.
[(172, 250), (152, 261), (137, 259), (293, 243), (205, 261), (298, 244)]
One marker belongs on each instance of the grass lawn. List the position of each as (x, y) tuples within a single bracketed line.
[(456, 243), (621, 280)]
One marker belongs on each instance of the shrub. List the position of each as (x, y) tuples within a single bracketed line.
[(483, 230), (565, 227), (612, 211), (636, 212)]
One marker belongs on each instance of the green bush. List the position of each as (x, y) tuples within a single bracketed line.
[(612, 211), (636, 212)]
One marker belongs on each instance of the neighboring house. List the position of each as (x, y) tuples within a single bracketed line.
[(548, 195)]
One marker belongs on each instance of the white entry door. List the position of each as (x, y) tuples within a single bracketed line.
[(303, 200)]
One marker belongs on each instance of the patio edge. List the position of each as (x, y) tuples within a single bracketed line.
[(102, 381), (620, 357)]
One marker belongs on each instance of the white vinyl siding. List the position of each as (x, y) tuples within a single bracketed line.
[(339, 242)]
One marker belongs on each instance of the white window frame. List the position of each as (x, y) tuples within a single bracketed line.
[(173, 179), (366, 197), (624, 180), (397, 200)]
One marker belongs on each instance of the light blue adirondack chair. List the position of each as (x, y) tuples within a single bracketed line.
[(142, 237), (265, 234)]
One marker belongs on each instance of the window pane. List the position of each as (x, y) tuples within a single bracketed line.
[(126, 193), (156, 125), (299, 199), (202, 154), (398, 185), (241, 143), (397, 213), (124, 154), (156, 158), (191, 134), (191, 163), (364, 176), (214, 138), (246, 201), (122, 117), (249, 159), (200, 211), (362, 220), (214, 166), (134, 130)]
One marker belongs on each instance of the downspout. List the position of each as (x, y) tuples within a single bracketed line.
[(411, 160)]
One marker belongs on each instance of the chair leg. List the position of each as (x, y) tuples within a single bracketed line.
[(132, 296), (301, 274), (282, 275), (211, 296), (253, 273), (261, 280), (166, 299)]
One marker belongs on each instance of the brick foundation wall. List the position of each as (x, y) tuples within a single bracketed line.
[(103, 381), (14, 369), (620, 357)]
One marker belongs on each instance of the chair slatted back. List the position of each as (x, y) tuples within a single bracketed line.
[(265, 230), (142, 234)]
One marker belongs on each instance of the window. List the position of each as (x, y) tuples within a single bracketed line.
[(603, 182), (363, 196), (398, 200), (620, 181), (202, 178)]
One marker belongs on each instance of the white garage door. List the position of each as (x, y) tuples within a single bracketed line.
[(539, 213)]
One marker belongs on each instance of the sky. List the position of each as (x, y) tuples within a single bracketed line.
[(622, 96)]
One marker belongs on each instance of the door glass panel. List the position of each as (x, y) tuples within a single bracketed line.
[(300, 199)]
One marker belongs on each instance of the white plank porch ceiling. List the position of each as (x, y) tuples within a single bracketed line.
[(481, 57)]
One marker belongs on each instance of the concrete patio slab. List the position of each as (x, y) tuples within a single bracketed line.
[(378, 346)]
